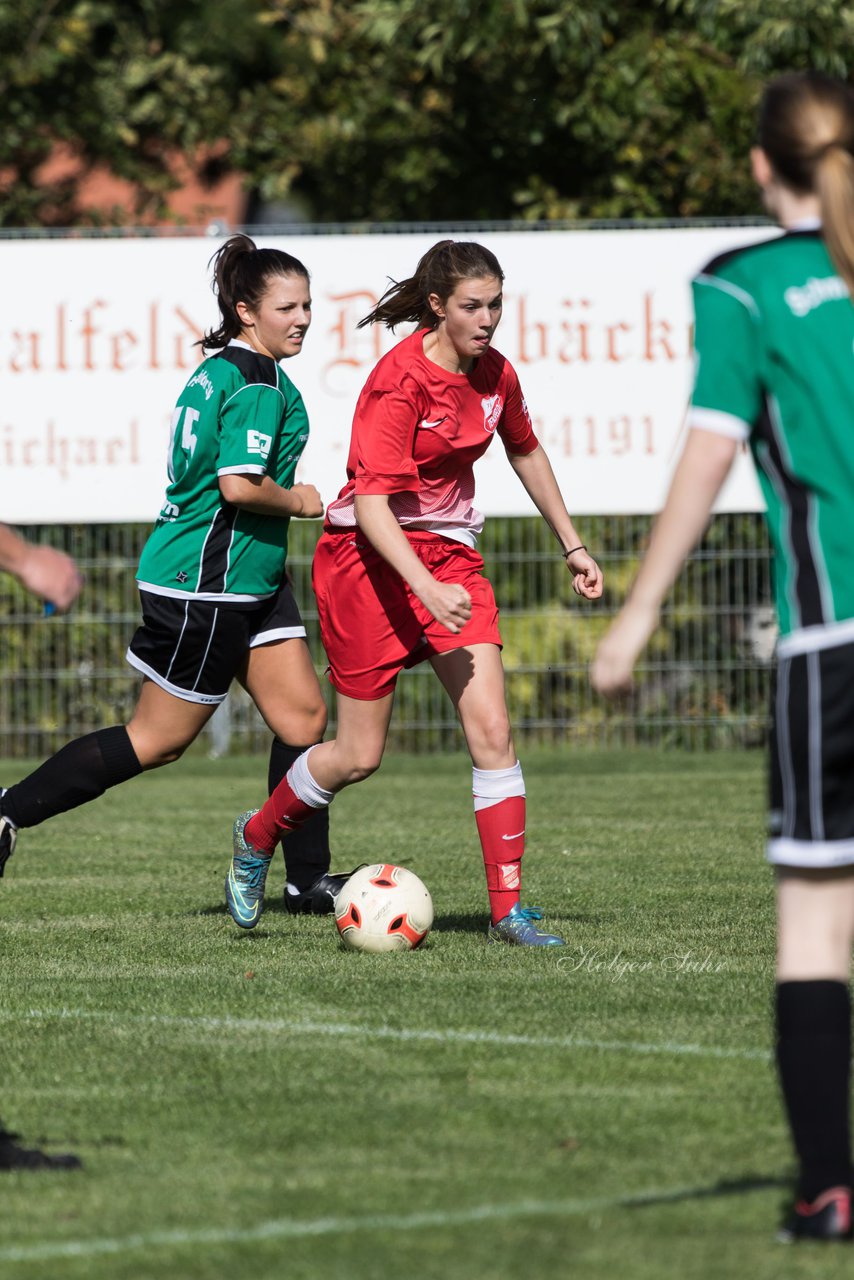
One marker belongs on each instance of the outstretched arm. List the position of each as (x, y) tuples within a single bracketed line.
[(538, 480), (44, 571), (697, 480)]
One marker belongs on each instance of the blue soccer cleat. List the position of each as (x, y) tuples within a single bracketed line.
[(244, 884), (518, 928)]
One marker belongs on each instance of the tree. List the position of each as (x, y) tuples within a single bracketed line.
[(126, 86), (391, 109)]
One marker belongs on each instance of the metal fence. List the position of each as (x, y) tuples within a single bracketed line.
[(704, 682)]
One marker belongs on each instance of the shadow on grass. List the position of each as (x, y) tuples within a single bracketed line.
[(471, 922), (726, 1187), (219, 909)]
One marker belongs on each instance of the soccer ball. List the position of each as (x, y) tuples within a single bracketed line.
[(383, 908)]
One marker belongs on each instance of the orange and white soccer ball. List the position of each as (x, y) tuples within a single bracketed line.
[(383, 908)]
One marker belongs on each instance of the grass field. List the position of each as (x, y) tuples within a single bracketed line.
[(269, 1105)]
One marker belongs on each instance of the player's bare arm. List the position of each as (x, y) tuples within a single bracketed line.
[(263, 495), (699, 475), (44, 571), (450, 604)]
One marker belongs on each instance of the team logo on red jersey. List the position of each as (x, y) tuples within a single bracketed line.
[(493, 407)]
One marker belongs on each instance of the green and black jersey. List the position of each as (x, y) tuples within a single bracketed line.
[(775, 348), (238, 414)]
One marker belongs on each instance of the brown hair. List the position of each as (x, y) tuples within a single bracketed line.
[(241, 274), (806, 128), (439, 271)]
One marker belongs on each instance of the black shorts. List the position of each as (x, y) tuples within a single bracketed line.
[(193, 648), (811, 820)]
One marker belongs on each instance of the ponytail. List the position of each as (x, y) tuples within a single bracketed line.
[(241, 273), (806, 128), (439, 272), (835, 187)]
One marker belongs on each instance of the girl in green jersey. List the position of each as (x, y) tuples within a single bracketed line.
[(216, 601), (775, 343)]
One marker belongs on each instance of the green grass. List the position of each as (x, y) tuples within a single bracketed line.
[(269, 1105)]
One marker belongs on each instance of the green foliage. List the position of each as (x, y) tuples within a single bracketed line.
[(651, 108), (126, 86), (765, 36), (700, 684), (390, 109)]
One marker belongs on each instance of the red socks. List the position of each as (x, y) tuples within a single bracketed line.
[(501, 828), (283, 812), (297, 798)]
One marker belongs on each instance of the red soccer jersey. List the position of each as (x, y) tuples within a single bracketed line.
[(418, 431)]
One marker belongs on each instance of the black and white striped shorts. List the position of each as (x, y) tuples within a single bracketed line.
[(194, 648), (811, 819)]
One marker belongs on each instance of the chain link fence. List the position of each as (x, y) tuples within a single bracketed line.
[(704, 682)]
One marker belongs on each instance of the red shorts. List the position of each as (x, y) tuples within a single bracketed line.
[(371, 624)]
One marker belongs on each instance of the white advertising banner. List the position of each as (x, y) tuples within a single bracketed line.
[(97, 339)]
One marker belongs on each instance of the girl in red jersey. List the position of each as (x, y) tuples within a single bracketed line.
[(399, 580)]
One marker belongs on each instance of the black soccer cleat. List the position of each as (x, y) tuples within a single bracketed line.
[(14, 1157), (319, 898), (828, 1217), (8, 839)]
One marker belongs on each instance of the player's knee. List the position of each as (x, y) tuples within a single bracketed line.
[(363, 765), (493, 736), (158, 755), (302, 729), (153, 752), (316, 720)]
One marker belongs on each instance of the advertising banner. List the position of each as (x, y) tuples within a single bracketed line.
[(98, 338)]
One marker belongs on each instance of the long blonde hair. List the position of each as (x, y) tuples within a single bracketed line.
[(806, 128)]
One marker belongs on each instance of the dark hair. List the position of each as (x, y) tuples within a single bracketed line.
[(241, 273), (439, 271), (806, 128)]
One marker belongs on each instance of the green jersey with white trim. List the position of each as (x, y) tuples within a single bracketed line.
[(238, 415), (775, 348)]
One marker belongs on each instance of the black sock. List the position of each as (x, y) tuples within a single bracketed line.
[(80, 771), (306, 851), (814, 1062)]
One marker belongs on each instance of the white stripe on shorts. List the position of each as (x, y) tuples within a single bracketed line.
[(814, 746), (276, 633), (784, 751), (207, 651), (807, 854), (207, 699)]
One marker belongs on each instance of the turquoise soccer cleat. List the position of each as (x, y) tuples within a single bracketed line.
[(244, 884), (518, 928)]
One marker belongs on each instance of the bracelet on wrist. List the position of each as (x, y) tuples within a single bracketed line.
[(580, 547)]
